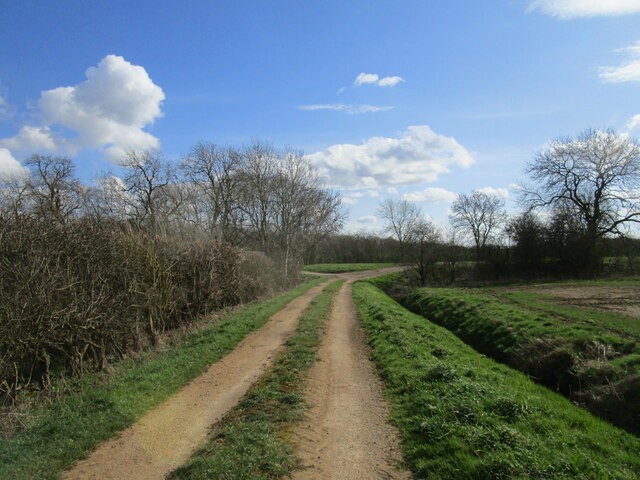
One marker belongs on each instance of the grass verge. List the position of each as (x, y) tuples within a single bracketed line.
[(596, 367), (105, 404), (345, 267), (251, 443), (464, 416)]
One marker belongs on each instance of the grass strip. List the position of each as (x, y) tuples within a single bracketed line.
[(464, 416), (596, 367), (251, 443), (104, 404), (545, 302), (345, 267)]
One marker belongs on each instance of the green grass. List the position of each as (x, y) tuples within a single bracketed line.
[(251, 442), (345, 267), (591, 364), (105, 404), (544, 302), (464, 416)]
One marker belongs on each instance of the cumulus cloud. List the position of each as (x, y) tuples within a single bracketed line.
[(9, 166), (365, 78), (627, 72), (634, 122), (341, 107), (498, 192), (33, 139), (108, 110), (374, 79), (432, 195), (419, 155), (585, 8)]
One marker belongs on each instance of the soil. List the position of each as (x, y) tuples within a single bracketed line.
[(346, 434), (620, 299), (166, 437)]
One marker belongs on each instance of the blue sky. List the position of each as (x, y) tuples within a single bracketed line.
[(456, 95)]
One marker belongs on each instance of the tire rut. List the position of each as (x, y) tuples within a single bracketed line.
[(346, 434), (164, 438)]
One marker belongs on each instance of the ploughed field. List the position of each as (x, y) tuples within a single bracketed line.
[(579, 339)]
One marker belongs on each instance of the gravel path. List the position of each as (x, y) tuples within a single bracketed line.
[(166, 437), (346, 434)]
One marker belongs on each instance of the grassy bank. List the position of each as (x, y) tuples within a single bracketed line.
[(345, 267), (464, 416), (251, 442), (104, 404), (569, 350)]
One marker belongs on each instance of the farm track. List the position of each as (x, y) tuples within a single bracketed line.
[(346, 434), (165, 437)]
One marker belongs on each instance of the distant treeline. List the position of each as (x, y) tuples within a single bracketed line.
[(89, 274)]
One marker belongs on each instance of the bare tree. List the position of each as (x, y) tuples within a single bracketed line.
[(401, 216), (14, 197), (477, 215), (256, 188), (55, 191), (215, 171), (426, 241), (147, 181), (596, 176)]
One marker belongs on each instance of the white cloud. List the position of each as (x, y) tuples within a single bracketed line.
[(419, 155), (341, 107), (390, 81), (585, 8), (9, 166), (374, 79), (341, 90), (431, 194), (33, 139), (498, 192), (634, 122), (349, 200), (369, 219), (5, 111), (365, 78), (627, 72), (108, 110)]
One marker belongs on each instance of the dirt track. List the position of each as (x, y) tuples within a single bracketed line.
[(346, 434), (164, 438)]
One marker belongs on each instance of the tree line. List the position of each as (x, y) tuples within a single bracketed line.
[(91, 273), (580, 202)]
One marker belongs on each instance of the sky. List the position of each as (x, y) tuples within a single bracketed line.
[(417, 100)]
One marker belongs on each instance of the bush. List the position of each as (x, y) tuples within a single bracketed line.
[(75, 296)]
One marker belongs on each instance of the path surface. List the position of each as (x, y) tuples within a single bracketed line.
[(165, 437), (346, 434)]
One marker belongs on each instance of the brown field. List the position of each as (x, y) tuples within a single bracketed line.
[(620, 299)]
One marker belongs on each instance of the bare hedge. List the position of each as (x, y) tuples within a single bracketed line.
[(75, 296)]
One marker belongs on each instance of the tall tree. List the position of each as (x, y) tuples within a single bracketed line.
[(478, 215), (148, 181), (596, 176), (401, 216), (55, 191), (215, 171)]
